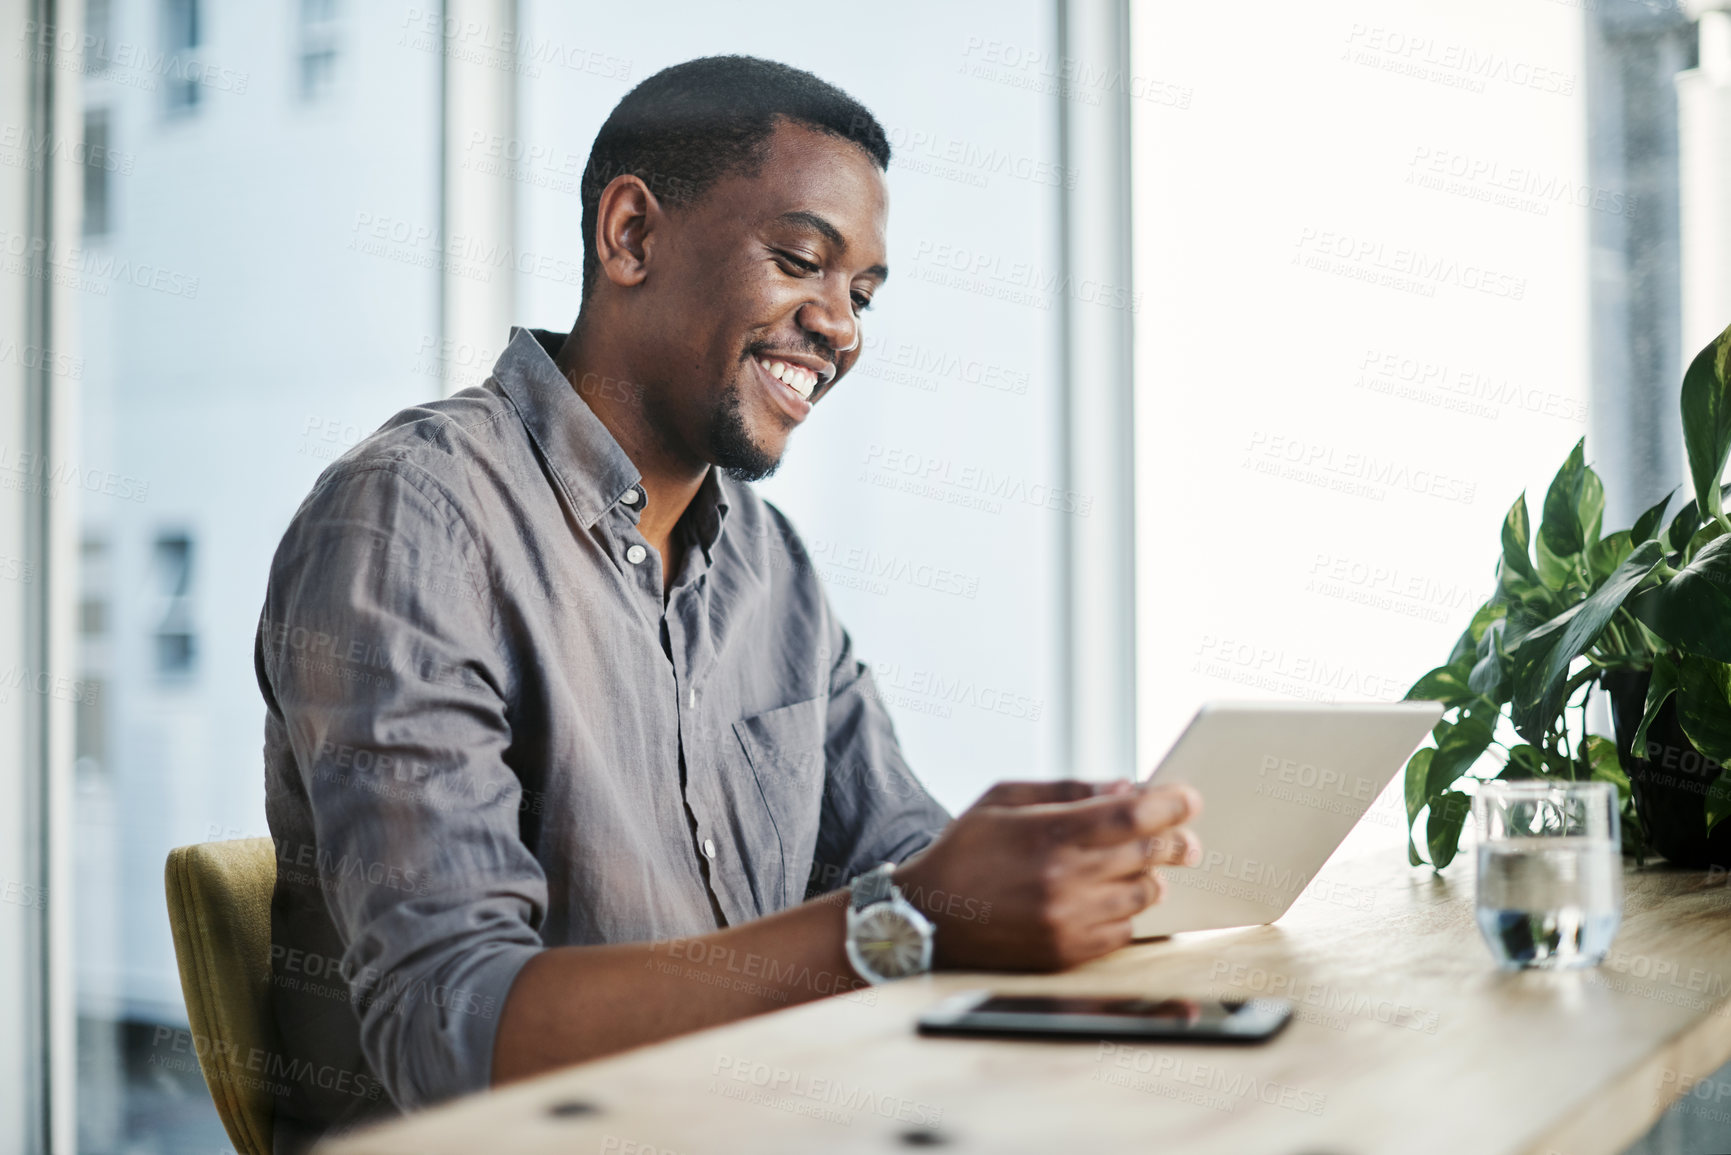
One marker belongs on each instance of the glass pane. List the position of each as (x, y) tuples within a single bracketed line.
[(262, 295), (927, 486), (1383, 245), (241, 326)]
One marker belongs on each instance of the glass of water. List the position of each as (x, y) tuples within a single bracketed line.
[(1550, 890)]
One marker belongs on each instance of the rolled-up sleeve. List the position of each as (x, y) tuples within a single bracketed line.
[(874, 809), (379, 650)]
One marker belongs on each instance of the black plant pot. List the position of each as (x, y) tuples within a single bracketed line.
[(1670, 780)]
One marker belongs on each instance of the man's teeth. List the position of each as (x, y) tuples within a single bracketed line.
[(798, 377)]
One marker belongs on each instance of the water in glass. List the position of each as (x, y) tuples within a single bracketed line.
[(1550, 885)]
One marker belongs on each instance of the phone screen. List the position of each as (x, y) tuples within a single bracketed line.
[(1188, 1012), (1108, 1017)]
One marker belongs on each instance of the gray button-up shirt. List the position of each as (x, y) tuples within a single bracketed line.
[(487, 734)]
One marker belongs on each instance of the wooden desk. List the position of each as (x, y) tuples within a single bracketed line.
[(1407, 1041)]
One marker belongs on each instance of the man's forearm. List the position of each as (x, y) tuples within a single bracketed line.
[(569, 1004)]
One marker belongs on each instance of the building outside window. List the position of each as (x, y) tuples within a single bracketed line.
[(318, 46), (99, 166), (181, 39), (98, 30), (176, 638)]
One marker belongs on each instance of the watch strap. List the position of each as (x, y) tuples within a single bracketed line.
[(872, 887)]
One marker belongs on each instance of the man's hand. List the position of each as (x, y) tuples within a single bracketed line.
[(1063, 865)]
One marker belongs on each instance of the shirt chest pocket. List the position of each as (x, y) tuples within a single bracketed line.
[(784, 747)]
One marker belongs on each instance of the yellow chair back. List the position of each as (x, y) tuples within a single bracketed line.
[(219, 907)]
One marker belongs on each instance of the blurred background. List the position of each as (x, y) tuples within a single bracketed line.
[(1219, 339)]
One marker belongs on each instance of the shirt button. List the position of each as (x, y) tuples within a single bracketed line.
[(709, 848), (636, 554), (629, 497)]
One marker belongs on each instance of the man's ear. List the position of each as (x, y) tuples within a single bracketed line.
[(625, 221)]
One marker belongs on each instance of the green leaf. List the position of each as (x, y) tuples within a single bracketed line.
[(1682, 527), (1491, 640), (1417, 773), (1603, 557), (1704, 709), (1661, 687), (1530, 606), (1692, 609), (1464, 744), (1517, 538), (1706, 404), (1606, 766), (1541, 660), (1470, 644), (1649, 522), (1561, 530), (1704, 705), (1712, 531), (1524, 762), (1443, 830), (1634, 838), (1445, 684), (1554, 570), (1412, 857), (1590, 507), (1718, 800), (1489, 676)]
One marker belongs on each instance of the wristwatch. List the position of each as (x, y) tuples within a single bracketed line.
[(886, 937)]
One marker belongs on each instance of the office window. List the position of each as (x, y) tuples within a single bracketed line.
[(318, 46), (180, 41), (90, 721), (98, 28), (90, 731), (1392, 252), (176, 640), (98, 175), (197, 439)]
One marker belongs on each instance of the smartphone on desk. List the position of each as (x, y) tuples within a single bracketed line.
[(1108, 1017)]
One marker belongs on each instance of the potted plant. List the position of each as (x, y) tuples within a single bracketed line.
[(1644, 614)]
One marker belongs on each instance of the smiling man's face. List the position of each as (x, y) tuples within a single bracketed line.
[(754, 301)]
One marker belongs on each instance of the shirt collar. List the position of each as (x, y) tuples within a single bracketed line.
[(583, 456), (708, 513)]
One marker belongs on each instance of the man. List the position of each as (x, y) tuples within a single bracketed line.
[(559, 717)]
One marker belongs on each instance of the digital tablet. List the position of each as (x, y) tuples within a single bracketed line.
[(1282, 784)]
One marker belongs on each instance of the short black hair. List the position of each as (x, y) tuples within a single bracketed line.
[(688, 126)]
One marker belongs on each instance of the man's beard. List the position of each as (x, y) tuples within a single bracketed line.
[(730, 443)]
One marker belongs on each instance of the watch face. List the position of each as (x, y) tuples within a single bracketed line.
[(888, 942)]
